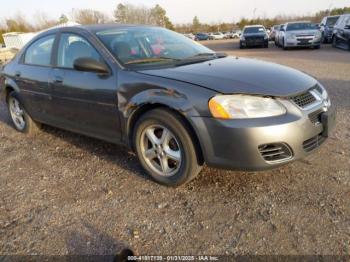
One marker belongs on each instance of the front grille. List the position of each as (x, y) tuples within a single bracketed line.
[(275, 152), (313, 142), (315, 117), (304, 99)]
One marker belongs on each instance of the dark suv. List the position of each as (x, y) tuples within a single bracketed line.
[(341, 32), (326, 27)]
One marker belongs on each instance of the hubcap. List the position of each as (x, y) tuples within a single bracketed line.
[(161, 150), (17, 113)]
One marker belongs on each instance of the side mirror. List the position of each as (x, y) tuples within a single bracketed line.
[(86, 64)]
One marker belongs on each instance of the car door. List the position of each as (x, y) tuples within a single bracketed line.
[(341, 31), (32, 76), (85, 102), (347, 32)]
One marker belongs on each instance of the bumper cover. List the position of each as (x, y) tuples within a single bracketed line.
[(234, 144), (303, 42)]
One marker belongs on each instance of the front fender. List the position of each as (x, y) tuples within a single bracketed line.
[(136, 95)]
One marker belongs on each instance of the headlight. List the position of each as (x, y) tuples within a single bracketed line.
[(291, 36), (244, 106), (324, 94), (242, 38), (266, 37)]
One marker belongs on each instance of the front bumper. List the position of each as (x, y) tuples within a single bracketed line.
[(254, 42), (300, 42), (236, 144)]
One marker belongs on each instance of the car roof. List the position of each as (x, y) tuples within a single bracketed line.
[(248, 26), (298, 22), (97, 27)]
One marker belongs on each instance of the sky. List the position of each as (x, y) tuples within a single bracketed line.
[(179, 11)]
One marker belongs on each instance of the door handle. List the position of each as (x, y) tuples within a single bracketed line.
[(17, 74), (58, 80)]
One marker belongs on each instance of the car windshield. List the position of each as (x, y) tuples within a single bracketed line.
[(301, 26), (254, 30), (331, 21), (151, 46)]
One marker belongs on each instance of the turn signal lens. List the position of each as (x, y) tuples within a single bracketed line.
[(218, 110)]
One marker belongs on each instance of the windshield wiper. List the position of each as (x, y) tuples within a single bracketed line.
[(201, 57), (215, 55), (151, 60)]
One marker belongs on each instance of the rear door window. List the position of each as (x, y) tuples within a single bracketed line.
[(39, 53)]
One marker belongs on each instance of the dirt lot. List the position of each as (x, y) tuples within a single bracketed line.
[(62, 193)]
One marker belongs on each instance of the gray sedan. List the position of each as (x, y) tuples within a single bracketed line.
[(177, 104)]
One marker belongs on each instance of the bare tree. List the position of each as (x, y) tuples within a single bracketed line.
[(42, 21), (88, 16)]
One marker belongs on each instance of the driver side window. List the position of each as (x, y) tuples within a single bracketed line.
[(72, 47)]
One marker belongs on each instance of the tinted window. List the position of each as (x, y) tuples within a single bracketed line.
[(331, 21), (347, 21), (72, 47), (301, 26), (39, 53), (254, 30)]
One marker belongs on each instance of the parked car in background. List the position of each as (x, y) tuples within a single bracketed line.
[(341, 32), (299, 34), (190, 36), (216, 36), (236, 34), (227, 35), (326, 27), (171, 108), (274, 31), (278, 34), (201, 37), (254, 35)]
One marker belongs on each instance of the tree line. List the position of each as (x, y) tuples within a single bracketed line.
[(140, 14)]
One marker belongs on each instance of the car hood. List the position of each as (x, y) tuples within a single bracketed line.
[(254, 35), (303, 32), (240, 76)]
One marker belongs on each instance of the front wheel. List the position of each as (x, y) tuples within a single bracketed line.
[(19, 117), (165, 147)]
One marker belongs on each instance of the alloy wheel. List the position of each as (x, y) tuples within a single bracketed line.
[(161, 150), (17, 113)]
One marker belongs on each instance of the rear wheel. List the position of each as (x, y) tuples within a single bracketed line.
[(19, 117), (165, 148), (317, 47)]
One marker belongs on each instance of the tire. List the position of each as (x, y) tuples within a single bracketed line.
[(317, 47), (266, 45), (284, 45), (349, 45), (334, 42), (20, 120), (153, 124), (241, 46)]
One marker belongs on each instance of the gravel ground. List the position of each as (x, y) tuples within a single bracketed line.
[(63, 193)]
